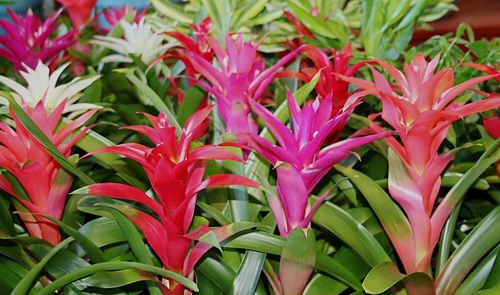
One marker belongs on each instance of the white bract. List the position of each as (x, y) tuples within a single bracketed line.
[(139, 39), (42, 86)]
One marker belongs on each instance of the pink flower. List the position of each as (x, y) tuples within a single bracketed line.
[(240, 78), (175, 171), (300, 160), (42, 178), (421, 109), (114, 15), (28, 40)]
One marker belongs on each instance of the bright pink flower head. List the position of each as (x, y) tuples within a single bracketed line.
[(300, 160), (79, 11), (240, 78), (28, 40), (114, 15), (175, 171), (421, 109), (41, 177)]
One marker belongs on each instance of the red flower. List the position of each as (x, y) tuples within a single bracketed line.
[(175, 171), (79, 11), (41, 177)]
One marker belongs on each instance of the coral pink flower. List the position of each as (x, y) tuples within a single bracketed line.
[(299, 159), (79, 11), (175, 171), (46, 184), (421, 109), (28, 40), (240, 78)]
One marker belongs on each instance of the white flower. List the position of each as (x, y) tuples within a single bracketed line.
[(139, 39), (42, 87)]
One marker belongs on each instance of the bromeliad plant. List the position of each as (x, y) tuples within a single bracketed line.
[(35, 179), (175, 170), (415, 214), (421, 109)]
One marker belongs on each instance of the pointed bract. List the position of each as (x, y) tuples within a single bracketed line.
[(175, 171)]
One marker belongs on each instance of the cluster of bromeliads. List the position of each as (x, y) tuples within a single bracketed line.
[(418, 109)]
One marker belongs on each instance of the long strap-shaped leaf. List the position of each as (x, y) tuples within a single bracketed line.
[(136, 244), (272, 244), (94, 253), (350, 231), (456, 194), (24, 285), (155, 99), (481, 240), (44, 141), (393, 220), (116, 265)]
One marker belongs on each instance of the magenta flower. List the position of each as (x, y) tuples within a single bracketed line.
[(299, 158), (28, 40), (240, 78)]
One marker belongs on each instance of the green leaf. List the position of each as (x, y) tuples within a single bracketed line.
[(171, 10), (25, 284), (481, 240), (217, 272), (272, 244), (387, 275), (345, 227), (136, 243), (328, 28), (94, 253), (45, 142), (297, 261), (115, 279), (394, 221), (114, 266), (158, 103), (477, 279), (217, 10), (457, 192), (323, 285), (102, 231), (249, 273), (250, 10), (193, 97), (382, 277)]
